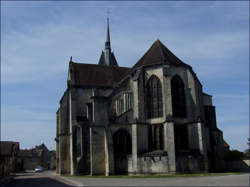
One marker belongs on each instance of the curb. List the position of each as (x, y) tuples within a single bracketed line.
[(66, 180)]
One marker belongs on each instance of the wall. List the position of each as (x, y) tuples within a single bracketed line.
[(189, 163), (237, 166), (98, 151), (149, 164), (29, 163), (64, 143)]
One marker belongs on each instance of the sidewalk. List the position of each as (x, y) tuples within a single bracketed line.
[(66, 180)]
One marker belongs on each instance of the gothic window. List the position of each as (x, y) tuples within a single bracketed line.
[(155, 137), (122, 143), (181, 137), (178, 97), (89, 111), (154, 97), (123, 103), (77, 141)]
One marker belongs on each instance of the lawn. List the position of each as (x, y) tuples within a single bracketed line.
[(158, 175)]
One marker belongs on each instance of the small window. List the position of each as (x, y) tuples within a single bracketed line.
[(123, 103), (90, 111)]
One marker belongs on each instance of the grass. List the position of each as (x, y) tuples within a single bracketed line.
[(158, 175)]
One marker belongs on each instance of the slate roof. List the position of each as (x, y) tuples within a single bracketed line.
[(112, 62), (7, 147), (159, 54), (97, 75)]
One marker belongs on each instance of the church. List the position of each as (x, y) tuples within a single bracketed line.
[(151, 118)]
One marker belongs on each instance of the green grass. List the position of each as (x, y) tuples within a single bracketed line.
[(158, 175)]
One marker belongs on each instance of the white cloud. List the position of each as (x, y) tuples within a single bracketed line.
[(28, 125)]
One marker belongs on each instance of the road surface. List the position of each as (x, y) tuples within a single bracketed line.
[(50, 179)]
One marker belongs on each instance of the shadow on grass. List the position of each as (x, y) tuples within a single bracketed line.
[(158, 175)]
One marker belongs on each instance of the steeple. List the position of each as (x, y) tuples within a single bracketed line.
[(107, 43), (107, 57)]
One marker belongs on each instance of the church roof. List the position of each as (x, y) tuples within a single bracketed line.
[(97, 75), (112, 60), (159, 54)]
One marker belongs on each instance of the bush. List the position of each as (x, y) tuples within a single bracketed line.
[(233, 155)]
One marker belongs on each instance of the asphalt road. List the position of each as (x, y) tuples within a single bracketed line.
[(38, 179), (50, 179)]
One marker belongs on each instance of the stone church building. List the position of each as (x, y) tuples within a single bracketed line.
[(151, 118)]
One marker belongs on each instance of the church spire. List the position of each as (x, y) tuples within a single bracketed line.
[(107, 43), (107, 57)]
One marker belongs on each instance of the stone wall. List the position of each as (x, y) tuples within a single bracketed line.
[(98, 159), (237, 166), (149, 164), (64, 143), (30, 163), (189, 163)]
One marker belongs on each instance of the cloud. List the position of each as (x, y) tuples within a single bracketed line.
[(47, 46), (28, 125)]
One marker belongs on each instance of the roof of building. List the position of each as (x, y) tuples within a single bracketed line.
[(25, 153), (159, 54), (206, 94), (107, 57), (7, 147), (112, 59), (97, 75), (225, 144)]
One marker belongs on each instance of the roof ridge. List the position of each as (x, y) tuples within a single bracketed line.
[(160, 45), (99, 65)]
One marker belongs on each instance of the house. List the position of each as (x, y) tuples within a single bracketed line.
[(8, 155), (28, 159)]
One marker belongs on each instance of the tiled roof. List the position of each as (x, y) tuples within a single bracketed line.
[(159, 54), (97, 75), (225, 144)]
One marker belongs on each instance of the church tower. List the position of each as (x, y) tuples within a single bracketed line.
[(107, 57)]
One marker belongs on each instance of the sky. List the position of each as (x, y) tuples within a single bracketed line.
[(38, 38)]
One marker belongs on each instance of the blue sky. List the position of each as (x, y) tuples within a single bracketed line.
[(38, 39)]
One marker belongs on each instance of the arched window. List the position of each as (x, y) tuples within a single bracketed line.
[(178, 97), (154, 97), (122, 143)]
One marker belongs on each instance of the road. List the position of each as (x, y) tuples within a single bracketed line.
[(50, 179), (31, 179)]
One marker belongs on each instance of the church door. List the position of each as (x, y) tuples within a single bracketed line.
[(122, 148)]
